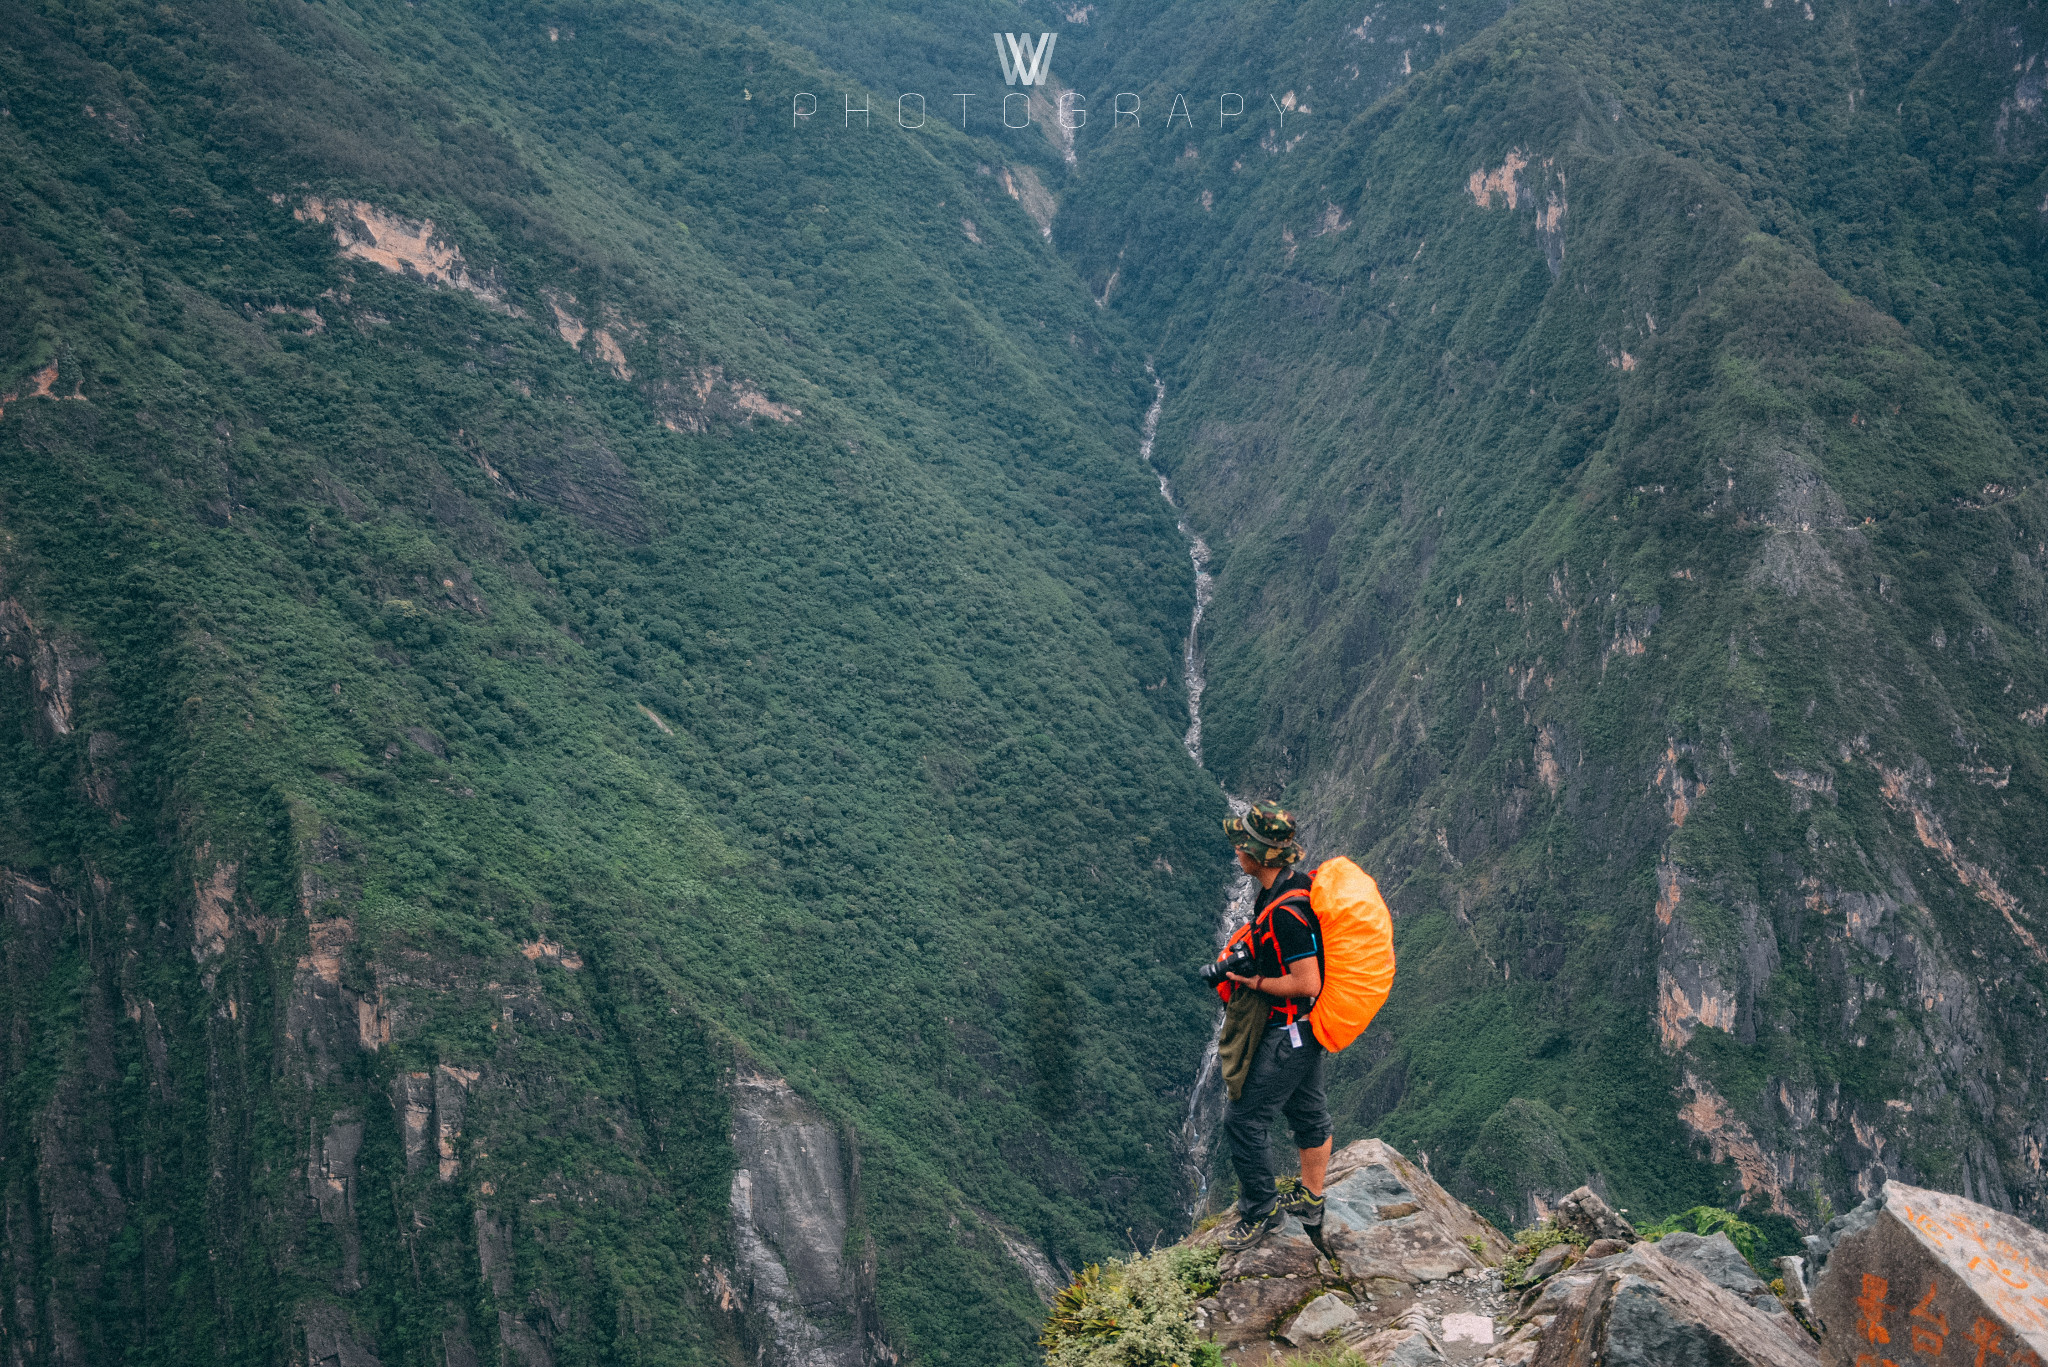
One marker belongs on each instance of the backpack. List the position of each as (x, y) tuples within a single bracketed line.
[(1358, 951)]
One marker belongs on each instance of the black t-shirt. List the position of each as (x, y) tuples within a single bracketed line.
[(1292, 932)]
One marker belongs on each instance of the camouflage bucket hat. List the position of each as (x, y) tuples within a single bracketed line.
[(1266, 833)]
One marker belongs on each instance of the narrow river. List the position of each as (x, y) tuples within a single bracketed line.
[(1205, 1099)]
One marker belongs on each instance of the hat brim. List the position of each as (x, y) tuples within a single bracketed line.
[(1242, 838)]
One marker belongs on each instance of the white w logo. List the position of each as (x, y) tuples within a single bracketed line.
[(1015, 69)]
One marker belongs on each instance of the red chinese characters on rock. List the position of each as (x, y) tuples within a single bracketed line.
[(2003, 1275), (1986, 1336), (1929, 1336), (1870, 1312), (1871, 1308), (1929, 1328), (1935, 1280)]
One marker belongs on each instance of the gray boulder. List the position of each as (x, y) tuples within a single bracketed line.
[(1716, 1258), (1925, 1276), (1406, 1342), (1583, 1212), (1327, 1314), (1550, 1261), (1384, 1217), (1819, 1245), (1644, 1308), (1248, 1309)]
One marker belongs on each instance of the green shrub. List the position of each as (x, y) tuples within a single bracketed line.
[(1197, 1268), (1139, 1312)]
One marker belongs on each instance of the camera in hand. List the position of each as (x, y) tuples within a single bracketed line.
[(1238, 961)]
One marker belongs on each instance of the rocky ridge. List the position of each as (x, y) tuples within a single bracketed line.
[(1401, 1273)]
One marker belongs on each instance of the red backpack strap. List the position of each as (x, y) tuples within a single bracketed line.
[(1266, 916), (1297, 895)]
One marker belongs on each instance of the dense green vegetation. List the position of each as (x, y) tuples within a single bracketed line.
[(833, 745), (720, 623), (1619, 445), (1135, 1312)]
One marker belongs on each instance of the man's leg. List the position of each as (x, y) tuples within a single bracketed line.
[(1315, 1165), (1308, 1115), (1248, 1126)]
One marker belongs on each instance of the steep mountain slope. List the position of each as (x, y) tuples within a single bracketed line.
[(591, 764), (1619, 444), (551, 631)]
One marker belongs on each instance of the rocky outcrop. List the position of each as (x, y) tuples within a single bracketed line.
[(1401, 1273), (1395, 1255), (1584, 1213), (1716, 1258), (1947, 1278), (802, 1304), (1386, 1213), (52, 662), (1645, 1308), (414, 249), (331, 1340)]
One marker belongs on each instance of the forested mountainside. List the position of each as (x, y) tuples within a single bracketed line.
[(592, 760), (1620, 443), (1617, 429), (540, 619)]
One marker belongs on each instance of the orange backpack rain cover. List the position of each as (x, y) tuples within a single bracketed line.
[(1358, 951)]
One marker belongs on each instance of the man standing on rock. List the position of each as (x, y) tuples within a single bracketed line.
[(1286, 1072)]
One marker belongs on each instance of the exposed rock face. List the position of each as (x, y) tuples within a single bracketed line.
[(1818, 1246), (1388, 1218), (331, 1341), (790, 1203), (416, 250), (1644, 1308), (53, 663), (1549, 1263), (1584, 1212), (1717, 1259), (1407, 1342), (1944, 1277)]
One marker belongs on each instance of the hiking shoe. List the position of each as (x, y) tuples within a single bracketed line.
[(1304, 1206), (1249, 1230)]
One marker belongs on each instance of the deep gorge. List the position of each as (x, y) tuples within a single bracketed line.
[(615, 718)]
